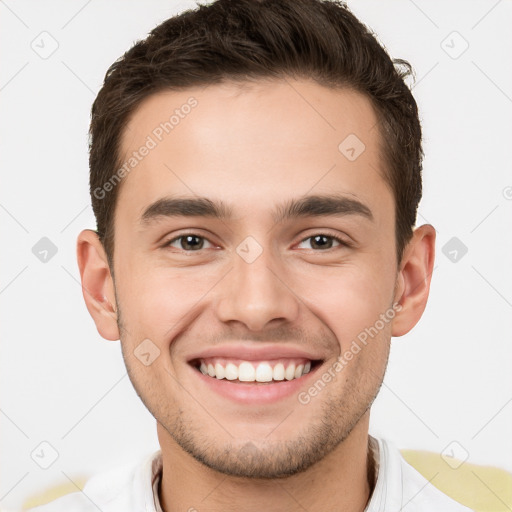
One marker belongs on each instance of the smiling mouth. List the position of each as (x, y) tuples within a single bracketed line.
[(255, 372)]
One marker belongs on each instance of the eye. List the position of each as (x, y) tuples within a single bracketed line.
[(188, 242), (324, 242)]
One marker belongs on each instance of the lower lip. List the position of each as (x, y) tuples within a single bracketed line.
[(256, 393)]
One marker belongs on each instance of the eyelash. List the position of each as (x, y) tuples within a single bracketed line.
[(341, 241)]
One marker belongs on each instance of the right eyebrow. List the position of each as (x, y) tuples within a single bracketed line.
[(185, 207)]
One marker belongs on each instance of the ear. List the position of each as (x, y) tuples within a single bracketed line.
[(97, 283), (414, 276)]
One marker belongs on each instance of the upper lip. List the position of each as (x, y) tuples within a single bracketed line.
[(254, 353)]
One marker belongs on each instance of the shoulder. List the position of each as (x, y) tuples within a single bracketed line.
[(126, 488), (423, 494), (401, 486)]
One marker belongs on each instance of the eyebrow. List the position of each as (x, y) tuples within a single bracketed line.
[(334, 205)]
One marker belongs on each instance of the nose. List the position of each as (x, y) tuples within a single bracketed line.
[(255, 293)]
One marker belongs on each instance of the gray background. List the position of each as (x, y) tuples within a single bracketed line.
[(448, 387)]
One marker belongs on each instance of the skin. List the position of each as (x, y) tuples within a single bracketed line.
[(253, 148)]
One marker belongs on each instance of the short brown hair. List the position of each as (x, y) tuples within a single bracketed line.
[(249, 39)]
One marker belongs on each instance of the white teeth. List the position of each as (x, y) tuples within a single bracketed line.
[(246, 372), (289, 374), (219, 371), (261, 372), (264, 373), (231, 371), (278, 372)]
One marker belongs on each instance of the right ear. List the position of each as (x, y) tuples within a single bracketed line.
[(97, 283)]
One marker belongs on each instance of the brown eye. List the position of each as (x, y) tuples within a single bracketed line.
[(322, 242), (188, 242)]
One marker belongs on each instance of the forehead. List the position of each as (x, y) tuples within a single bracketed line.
[(252, 144)]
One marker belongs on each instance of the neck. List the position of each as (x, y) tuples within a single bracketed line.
[(343, 480)]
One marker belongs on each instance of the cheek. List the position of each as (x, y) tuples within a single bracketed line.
[(157, 299), (349, 301)]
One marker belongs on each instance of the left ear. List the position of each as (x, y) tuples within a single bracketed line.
[(413, 282)]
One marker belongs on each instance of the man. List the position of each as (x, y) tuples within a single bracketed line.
[(255, 176)]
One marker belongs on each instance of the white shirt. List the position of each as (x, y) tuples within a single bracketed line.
[(399, 488)]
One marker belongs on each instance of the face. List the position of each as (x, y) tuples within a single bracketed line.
[(254, 287)]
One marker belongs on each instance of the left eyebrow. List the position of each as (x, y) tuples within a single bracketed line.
[(334, 205)]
